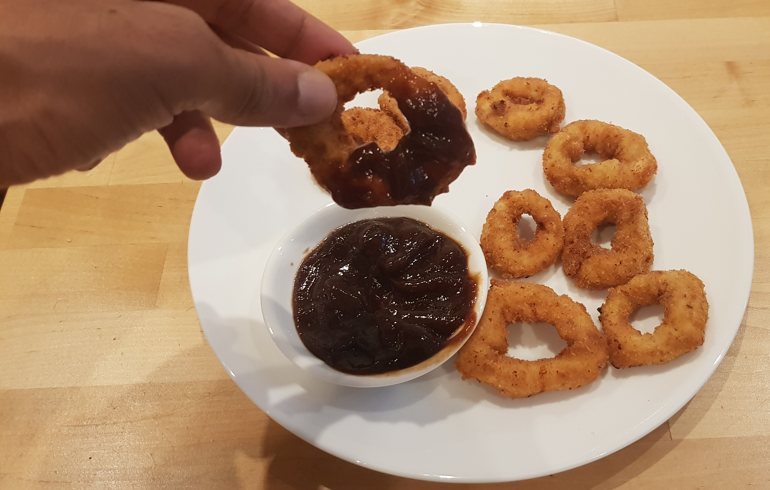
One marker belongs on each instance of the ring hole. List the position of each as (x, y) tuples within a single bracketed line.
[(647, 318), (366, 99), (527, 228), (588, 158), (533, 341), (517, 99), (603, 234), (523, 100)]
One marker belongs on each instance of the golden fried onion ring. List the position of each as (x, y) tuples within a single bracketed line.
[(506, 252), (521, 109), (685, 313), (627, 161), (592, 266), (484, 357), (423, 164)]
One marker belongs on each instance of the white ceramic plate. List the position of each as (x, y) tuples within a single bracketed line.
[(439, 427)]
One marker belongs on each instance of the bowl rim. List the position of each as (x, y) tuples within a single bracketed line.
[(284, 260)]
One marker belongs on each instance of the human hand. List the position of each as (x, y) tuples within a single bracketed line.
[(80, 79)]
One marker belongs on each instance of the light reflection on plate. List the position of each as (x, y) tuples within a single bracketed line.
[(438, 427)]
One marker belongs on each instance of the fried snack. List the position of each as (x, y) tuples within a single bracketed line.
[(685, 313), (506, 252), (521, 109), (484, 357), (423, 164), (454, 95), (389, 106), (368, 125), (592, 266), (387, 125), (627, 161)]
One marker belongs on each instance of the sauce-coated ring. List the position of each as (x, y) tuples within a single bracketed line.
[(423, 164)]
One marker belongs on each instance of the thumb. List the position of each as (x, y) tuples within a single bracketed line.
[(257, 90)]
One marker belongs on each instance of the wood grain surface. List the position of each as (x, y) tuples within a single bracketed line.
[(106, 380)]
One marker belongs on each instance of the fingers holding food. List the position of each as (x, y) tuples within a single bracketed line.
[(426, 159), (627, 161), (506, 251), (685, 313), (592, 266), (484, 357), (521, 109)]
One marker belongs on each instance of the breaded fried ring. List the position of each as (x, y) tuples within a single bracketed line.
[(387, 103), (483, 357), (521, 109), (368, 125), (389, 107), (423, 164), (386, 125), (685, 313), (592, 266), (628, 163), (506, 252)]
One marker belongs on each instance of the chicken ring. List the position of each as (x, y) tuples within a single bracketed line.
[(506, 252), (685, 313), (627, 161), (484, 356), (423, 164), (592, 266), (521, 109)]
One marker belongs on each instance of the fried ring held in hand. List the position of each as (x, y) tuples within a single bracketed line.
[(387, 103), (387, 125), (521, 109), (368, 125), (627, 161), (484, 357), (506, 252), (592, 266), (423, 164), (685, 313)]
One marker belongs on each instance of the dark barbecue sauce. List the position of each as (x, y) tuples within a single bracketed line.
[(382, 295), (427, 159)]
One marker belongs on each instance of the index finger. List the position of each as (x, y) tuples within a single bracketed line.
[(278, 26)]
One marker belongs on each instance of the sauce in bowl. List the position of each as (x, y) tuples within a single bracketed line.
[(383, 294)]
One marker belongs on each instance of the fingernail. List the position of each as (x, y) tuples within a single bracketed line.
[(89, 166), (317, 94)]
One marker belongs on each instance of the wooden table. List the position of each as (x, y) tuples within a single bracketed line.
[(107, 381)]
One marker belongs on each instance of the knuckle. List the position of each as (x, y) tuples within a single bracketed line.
[(186, 53), (254, 92)]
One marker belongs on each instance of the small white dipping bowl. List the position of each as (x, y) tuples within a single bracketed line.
[(283, 263)]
